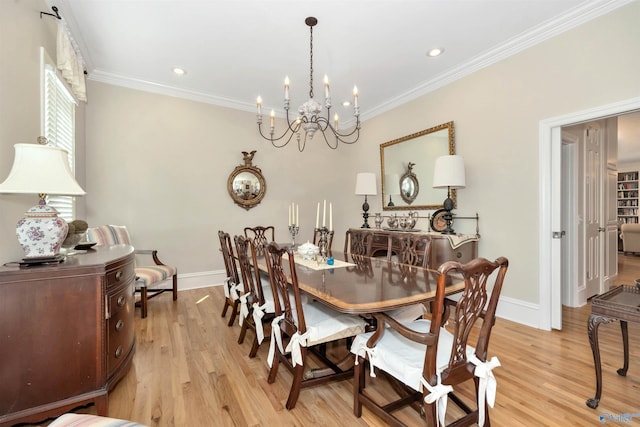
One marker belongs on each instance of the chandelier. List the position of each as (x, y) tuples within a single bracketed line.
[(310, 119)]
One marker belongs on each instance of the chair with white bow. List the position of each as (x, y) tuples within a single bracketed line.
[(233, 286), (298, 330), (427, 360), (256, 304)]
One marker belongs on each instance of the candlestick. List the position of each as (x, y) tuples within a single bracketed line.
[(293, 231)]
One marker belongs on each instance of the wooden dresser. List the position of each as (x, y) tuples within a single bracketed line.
[(462, 248), (66, 333)]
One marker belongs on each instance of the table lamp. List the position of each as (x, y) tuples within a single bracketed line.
[(392, 186), (449, 173), (366, 186), (41, 169)]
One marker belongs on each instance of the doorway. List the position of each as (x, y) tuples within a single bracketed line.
[(550, 205)]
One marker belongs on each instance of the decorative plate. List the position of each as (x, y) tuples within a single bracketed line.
[(438, 222)]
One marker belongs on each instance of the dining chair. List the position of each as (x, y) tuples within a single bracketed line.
[(261, 236), (358, 243), (409, 248), (428, 358), (232, 285), (316, 240), (305, 328), (149, 277), (256, 304)]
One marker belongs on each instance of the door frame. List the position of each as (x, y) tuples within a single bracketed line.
[(550, 257)]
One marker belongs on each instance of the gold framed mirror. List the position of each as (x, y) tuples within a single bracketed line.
[(420, 150), (246, 184)]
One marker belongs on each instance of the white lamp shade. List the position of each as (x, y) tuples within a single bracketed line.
[(392, 184), (366, 184), (449, 172), (41, 169)]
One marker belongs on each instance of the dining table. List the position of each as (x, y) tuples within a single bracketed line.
[(368, 285)]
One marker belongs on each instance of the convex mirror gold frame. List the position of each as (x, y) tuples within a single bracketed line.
[(246, 185), (420, 149)]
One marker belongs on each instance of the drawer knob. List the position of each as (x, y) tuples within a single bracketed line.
[(119, 325), (458, 254), (121, 301), (118, 352), (118, 275)]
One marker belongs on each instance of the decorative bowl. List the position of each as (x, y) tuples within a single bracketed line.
[(308, 250)]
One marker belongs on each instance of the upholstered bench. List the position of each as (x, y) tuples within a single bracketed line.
[(87, 420)]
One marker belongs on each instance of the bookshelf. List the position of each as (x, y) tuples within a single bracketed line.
[(627, 197)]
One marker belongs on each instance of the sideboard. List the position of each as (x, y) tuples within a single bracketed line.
[(442, 248), (66, 333)]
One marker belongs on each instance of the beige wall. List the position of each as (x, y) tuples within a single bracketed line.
[(159, 164)]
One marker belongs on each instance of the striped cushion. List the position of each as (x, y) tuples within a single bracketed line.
[(106, 235), (151, 275), (86, 420)]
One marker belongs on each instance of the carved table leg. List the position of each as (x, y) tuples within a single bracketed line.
[(592, 328), (625, 346)]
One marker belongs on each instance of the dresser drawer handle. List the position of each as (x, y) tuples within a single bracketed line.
[(121, 301), (119, 325), (118, 351), (118, 275), (459, 255)]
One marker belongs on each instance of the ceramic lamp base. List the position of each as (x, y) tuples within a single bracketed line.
[(41, 232)]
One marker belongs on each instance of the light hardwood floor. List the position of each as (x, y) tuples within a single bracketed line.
[(189, 371)]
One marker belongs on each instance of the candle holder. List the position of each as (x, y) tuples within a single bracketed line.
[(293, 231), (323, 242)]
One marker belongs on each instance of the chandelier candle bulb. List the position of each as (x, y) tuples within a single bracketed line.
[(335, 121), (273, 119), (286, 88), (326, 87), (355, 96), (259, 103)]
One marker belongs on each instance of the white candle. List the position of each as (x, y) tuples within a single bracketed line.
[(324, 213), (289, 223), (273, 119), (259, 103), (298, 215), (330, 216), (355, 96), (318, 215), (335, 121)]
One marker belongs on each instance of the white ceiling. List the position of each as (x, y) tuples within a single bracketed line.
[(235, 50)]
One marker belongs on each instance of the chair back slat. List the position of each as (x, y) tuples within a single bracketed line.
[(412, 249), (247, 260), (261, 236), (474, 303), (283, 290), (358, 243), (106, 235)]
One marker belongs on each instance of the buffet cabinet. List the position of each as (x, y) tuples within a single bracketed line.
[(459, 247), (66, 333)]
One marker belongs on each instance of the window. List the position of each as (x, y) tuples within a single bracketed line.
[(59, 109)]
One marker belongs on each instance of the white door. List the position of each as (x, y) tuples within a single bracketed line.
[(593, 212), (610, 207)]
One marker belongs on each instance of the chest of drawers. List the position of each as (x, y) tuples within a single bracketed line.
[(66, 333)]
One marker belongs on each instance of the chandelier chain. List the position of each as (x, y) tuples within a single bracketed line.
[(311, 62)]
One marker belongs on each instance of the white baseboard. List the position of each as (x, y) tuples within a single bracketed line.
[(518, 311), (201, 280)]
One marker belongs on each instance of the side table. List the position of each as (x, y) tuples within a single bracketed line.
[(621, 303)]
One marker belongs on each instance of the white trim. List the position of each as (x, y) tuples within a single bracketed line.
[(546, 128), (201, 279)]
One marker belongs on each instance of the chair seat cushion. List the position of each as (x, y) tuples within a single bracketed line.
[(403, 358), (87, 420), (325, 324), (151, 275), (408, 314)]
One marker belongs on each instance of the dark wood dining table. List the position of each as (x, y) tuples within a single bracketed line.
[(370, 285)]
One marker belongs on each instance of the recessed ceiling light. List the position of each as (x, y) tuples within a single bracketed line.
[(179, 71), (436, 51)]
